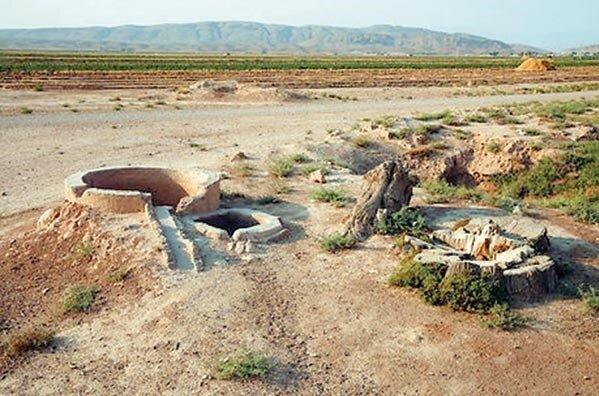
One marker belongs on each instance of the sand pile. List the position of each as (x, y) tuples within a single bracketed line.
[(533, 64)]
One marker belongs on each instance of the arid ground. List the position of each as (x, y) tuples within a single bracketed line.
[(330, 322)]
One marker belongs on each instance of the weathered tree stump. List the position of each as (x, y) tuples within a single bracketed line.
[(386, 187)]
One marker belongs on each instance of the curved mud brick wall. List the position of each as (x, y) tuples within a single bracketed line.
[(240, 225), (130, 189)]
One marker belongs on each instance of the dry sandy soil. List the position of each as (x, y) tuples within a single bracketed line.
[(330, 321)]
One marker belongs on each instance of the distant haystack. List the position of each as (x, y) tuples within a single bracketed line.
[(533, 64)]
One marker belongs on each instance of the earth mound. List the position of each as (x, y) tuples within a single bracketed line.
[(534, 64), (231, 90)]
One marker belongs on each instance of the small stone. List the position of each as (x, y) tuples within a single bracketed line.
[(318, 177), (240, 156)]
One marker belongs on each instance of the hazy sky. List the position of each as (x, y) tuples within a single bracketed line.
[(551, 24)]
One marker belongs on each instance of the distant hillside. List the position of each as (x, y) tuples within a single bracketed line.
[(251, 37), (592, 49)]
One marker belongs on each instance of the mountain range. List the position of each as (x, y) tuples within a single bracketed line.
[(253, 37)]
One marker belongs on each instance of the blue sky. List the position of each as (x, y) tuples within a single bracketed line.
[(550, 24)]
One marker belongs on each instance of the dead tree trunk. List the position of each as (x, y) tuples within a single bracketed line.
[(386, 187)]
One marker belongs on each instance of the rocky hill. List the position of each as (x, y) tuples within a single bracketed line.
[(251, 37)]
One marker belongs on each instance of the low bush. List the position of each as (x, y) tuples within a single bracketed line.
[(336, 242), (300, 158), (242, 365), (78, 298), (434, 116), (336, 196), (461, 292), (281, 167), (406, 220), (28, 339), (476, 117), (440, 192), (590, 298), (501, 317), (493, 147), (362, 141), (267, 199)]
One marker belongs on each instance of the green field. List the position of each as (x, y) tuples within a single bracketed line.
[(63, 61)]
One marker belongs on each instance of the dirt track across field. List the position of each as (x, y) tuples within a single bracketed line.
[(293, 78)]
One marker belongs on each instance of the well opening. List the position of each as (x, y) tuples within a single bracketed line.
[(230, 221)]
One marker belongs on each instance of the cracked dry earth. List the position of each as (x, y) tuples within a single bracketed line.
[(330, 321)]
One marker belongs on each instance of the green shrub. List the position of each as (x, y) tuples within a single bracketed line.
[(300, 158), (461, 134), (336, 196), (433, 116), (117, 275), (310, 168), (281, 167), (78, 298), (406, 220), (241, 170), (501, 317), (242, 365), (453, 120), (532, 132), (470, 293), (410, 273), (590, 298), (440, 192), (476, 117), (336, 242), (493, 147), (25, 110), (540, 180), (362, 141)]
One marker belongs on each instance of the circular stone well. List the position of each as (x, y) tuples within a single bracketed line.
[(239, 225), (130, 189)]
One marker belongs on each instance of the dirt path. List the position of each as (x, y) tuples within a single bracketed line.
[(42, 149)]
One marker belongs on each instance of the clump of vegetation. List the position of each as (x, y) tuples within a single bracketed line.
[(267, 199), (117, 275), (434, 116), (300, 158), (241, 169), (85, 251), (281, 167), (362, 141), (568, 182), (25, 110), (29, 339), (78, 298), (406, 220), (336, 242), (532, 132), (500, 117), (387, 121), (501, 317), (461, 292), (38, 88), (590, 298), (440, 192), (453, 120), (493, 147), (336, 196), (311, 168), (242, 365), (477, 118), (118, 107), (461, 134)]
